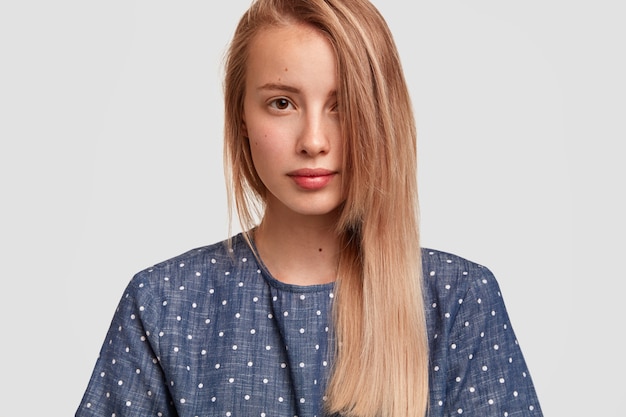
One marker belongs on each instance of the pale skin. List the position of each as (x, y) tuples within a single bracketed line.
[(291, 120)]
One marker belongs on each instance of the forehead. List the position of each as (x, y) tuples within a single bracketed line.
[(290, 43)]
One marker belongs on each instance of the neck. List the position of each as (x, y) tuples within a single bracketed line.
[(300, 250)]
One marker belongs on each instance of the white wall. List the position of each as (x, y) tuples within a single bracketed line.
[(110, 161)]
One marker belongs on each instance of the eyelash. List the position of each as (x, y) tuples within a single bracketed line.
[(274, 103)]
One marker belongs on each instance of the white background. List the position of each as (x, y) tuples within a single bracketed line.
[(110, 161)]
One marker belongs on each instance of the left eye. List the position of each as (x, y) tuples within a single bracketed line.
[(280, 103)]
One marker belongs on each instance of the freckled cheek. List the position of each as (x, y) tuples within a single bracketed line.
[(269, 137)]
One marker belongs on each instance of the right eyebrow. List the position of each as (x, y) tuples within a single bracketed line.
[(281, 87)]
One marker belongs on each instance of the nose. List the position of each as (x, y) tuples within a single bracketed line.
[(314, 136)]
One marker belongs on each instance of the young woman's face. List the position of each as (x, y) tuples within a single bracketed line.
[(291, 120)]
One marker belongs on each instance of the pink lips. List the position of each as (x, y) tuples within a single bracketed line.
[(312, 179)]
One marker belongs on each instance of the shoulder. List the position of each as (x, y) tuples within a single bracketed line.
[(198, 270), (445, 266), (449, 280)]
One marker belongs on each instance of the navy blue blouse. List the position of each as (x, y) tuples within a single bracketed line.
[(212, 333)]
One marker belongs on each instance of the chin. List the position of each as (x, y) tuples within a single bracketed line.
[(321, 210)]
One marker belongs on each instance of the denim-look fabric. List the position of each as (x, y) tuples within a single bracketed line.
[(212, 333)]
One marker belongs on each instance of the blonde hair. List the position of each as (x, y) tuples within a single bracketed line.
[(381, 347)]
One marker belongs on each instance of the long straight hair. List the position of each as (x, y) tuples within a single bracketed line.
[(381, 347)]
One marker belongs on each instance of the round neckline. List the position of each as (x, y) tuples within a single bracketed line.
[(272, 280)]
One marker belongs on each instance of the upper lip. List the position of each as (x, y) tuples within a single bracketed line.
[(311, 172)]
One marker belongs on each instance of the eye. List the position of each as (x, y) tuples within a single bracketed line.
[(280, 103)]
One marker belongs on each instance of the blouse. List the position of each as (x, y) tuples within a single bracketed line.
[(212, 333)]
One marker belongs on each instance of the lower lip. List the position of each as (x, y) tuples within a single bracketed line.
[(312, 183)]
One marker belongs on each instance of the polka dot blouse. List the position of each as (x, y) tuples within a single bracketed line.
[(212, 333)]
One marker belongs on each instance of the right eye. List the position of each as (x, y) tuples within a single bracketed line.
[(280, 103)]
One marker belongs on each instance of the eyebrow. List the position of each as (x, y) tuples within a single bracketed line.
[(277, 86), (288, 88)]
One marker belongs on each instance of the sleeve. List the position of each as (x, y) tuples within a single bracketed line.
[(127, 379), (486, 371)]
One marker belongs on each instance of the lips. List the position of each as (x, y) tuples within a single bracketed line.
[(312, 178)]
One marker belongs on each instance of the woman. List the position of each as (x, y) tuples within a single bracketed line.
[(328, 305)]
